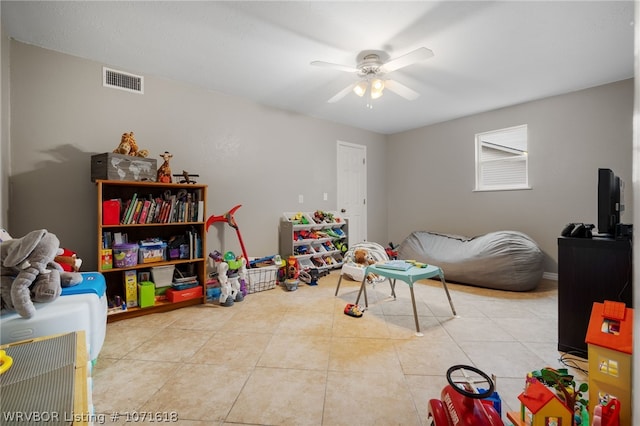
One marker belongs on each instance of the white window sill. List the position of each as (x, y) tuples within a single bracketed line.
[(522, 188)]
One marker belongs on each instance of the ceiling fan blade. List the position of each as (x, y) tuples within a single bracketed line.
[(417, 55), (341, 94), (338, 67), (401, 90)]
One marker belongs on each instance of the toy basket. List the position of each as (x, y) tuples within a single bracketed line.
[(261, 279)]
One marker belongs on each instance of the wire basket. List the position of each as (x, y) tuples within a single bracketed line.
[(261, 279)]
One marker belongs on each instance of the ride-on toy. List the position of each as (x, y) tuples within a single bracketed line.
[(229, 218), (463, 402)]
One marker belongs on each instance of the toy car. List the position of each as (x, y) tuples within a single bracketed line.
[(462, 402)]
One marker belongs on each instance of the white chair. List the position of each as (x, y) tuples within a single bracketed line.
[(355, 271)]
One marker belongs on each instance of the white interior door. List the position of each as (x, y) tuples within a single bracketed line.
[(352, 188)]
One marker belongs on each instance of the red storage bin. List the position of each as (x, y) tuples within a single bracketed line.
[(182, 295)]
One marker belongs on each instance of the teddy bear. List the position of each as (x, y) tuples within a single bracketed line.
[(29, 273), (128, 146), (363, 258)]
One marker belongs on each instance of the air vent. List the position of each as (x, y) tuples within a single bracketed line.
[(122, 80)]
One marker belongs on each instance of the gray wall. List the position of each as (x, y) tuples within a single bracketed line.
[(263, 158), (570, 137), (248, 154), (4, 128)]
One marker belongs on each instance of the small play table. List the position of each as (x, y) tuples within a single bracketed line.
[(409, 276)]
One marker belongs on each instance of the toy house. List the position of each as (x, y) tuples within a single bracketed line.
[(610, 345), (540, 406)]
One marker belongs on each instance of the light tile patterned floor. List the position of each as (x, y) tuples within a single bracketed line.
[(294, 358)]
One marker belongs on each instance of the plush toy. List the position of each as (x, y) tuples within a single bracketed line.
[(68, 260), (29, 273), (164, 171), (363, 258), (128, 146)]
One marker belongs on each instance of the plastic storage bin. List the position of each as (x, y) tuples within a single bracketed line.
[(182, 295), (162, 276), (125, 255), (151, 254)]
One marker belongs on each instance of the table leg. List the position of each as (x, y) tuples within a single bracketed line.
[(363, 288), (393, 287), (446, 290), (415, 311), (338, 286)]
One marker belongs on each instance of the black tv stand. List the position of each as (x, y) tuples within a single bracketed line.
[(589, 270)]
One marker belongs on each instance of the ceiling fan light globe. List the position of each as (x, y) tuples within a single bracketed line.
[(360, 89), (377, 84), (377, 87), (376, 95)]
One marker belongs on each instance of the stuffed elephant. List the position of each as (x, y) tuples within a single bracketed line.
[(29, 273)]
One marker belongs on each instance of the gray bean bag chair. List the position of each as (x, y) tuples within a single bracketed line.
[(503, 260)]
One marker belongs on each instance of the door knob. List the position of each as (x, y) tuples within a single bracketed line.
[(343, 210)]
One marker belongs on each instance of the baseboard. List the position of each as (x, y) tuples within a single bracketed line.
[(550, 276)]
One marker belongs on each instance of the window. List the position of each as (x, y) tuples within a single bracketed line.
[(502, 160)]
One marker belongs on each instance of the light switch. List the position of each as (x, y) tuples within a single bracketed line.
[(300, 199)]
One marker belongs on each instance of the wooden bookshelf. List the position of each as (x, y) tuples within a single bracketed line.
[(187, 221)]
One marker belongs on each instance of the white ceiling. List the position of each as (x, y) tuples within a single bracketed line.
[(488, 55)]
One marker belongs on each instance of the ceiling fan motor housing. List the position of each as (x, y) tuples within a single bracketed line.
[(370, 66)]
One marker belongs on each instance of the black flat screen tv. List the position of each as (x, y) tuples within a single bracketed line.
[(610, 202)]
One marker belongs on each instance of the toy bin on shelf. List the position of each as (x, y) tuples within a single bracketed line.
[(125, 255), (305, 263), (80, 307), (152, 253), (298, 218), (162, 276), (174, 295)]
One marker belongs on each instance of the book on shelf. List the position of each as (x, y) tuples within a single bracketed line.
[(136, 212), (152, 208), (107, 239), (124, 210), (145, 211), (130, 210), (171, 210), (200, 211), (198, 253), (397, 265), (111, 212)]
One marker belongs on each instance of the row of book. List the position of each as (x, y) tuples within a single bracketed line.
[(139, 210)]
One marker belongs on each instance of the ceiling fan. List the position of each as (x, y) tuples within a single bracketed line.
[(372, 69)]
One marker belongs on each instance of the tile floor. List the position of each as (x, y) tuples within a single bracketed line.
[(294, 358)]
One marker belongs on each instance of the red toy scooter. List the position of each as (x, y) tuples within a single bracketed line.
[(229, 218), (462, 403)]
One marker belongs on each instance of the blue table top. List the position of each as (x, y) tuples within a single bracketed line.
[(409, 276)]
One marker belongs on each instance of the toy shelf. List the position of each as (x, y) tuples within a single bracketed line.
[(315, 245)]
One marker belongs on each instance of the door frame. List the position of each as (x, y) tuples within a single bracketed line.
[(341, 182)]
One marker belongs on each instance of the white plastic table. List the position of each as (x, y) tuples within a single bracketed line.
[(409, 276)]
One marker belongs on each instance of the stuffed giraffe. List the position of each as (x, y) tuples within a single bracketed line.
[(164, 172), (128, 146)]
